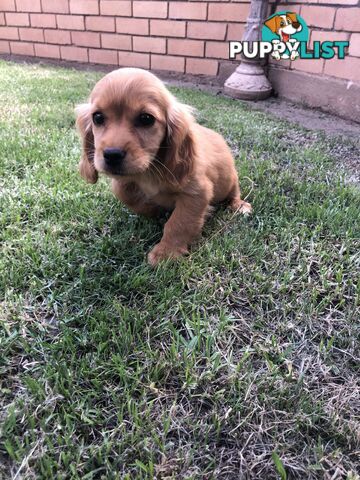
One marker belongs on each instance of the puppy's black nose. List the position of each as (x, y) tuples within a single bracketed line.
[(296, 24), (114, 156)]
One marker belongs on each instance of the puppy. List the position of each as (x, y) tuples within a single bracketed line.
[(159, 159)]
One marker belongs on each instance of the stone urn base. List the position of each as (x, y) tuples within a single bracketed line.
[(248, 82)]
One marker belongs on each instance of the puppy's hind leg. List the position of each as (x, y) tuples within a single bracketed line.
[(235, 202)]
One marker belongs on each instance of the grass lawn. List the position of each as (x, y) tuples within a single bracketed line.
[(240, 362)]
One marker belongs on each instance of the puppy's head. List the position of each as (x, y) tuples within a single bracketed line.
[(133, 125), (285, 23)]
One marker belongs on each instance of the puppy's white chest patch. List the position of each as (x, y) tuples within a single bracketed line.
[(149, 189)]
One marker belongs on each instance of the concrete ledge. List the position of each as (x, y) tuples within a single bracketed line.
[(205, 80), (335, 96), (339, 97)]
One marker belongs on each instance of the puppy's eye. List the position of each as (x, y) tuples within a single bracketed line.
[(98, 118), (145, 120), (282, 23)]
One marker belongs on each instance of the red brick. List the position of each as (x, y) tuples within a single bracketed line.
[(28, 6), (4, 47), (354, 47), (22, 48), (2, 18), (217, 50), (47, 51), (310, 66), (71, 22), (132, 25), (348, 19), (191, 48), (8, 5), (86, 39), (348, 68), (107, 57), (229, 12), (115, 8), (18, 19), (320, 17), (201, 66), (187, 10), (235, 31), (132, 59), (42, 20), (31, 34), (166, 62), (75, 54), (149, 44), (85, 7), (115, 41), (9, 33), (55, 6), (100, 24), (149, 9), (320, 36), (207, 30), (61, 37), (294, 8), (338, 2), (167, 28)]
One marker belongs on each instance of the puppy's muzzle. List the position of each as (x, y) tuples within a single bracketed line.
[(296, 25), (114, 158)]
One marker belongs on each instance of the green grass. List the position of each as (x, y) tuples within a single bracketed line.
[(240, 362)]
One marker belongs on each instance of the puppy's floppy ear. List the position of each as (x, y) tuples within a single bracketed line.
[(292, 16), (83, 123), (273, 23), (179, 143)]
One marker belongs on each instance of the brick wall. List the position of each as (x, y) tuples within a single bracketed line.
[(188, 37)]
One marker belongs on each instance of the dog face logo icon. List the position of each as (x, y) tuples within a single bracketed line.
[(284, 25), (287, 28)]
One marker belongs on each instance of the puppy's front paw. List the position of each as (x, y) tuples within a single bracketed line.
[(162, 251), (276, 55), (240, 206)]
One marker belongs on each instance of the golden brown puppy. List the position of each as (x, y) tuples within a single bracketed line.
[(158, 157)]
